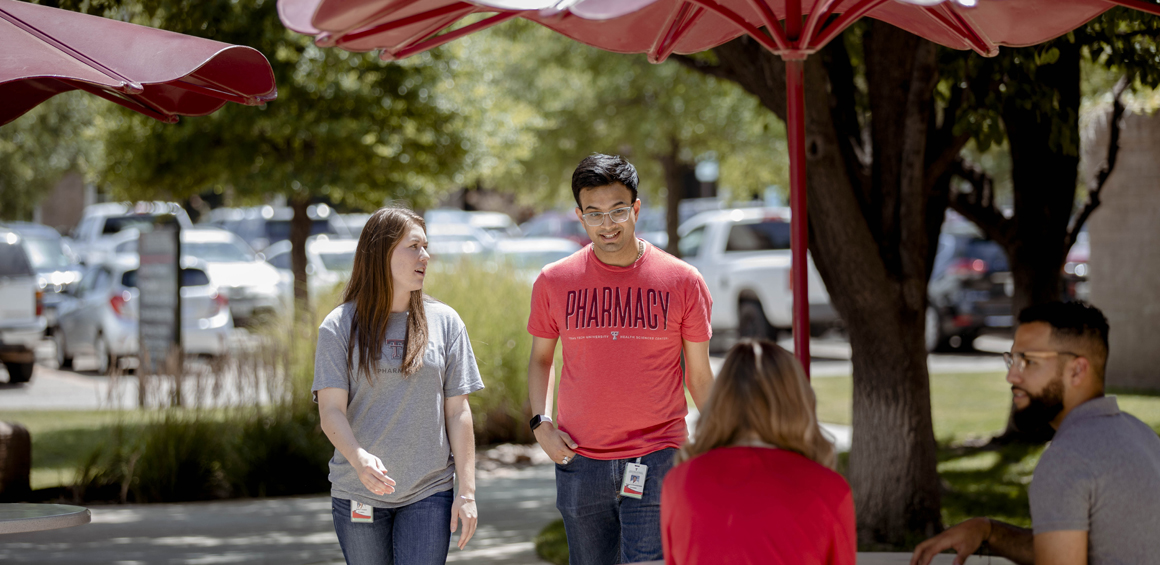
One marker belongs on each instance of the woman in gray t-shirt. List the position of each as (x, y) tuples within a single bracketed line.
[(391, 376)]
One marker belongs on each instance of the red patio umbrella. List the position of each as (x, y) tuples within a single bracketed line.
[(46, 51), (792, 29)]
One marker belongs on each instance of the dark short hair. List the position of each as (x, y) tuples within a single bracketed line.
[(598, 169), (1073, 321)]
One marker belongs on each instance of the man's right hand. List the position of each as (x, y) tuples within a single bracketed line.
[(964, 538), (373, 474), (555, 443)]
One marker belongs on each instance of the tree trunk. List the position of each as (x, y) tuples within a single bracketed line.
[(675, 172), (299, 231), (870, 233), (1044, 170)]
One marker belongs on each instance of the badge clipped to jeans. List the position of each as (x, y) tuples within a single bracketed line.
[(360, 512), (633, 483)]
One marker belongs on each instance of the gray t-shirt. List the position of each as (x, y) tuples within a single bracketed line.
[(398, 419), (1101, 474)]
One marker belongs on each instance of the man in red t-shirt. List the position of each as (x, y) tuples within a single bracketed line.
[(624, 312)]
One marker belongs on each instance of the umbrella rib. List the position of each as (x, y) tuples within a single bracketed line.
[(128, 86), (674, 29), (382, 13), (403, 22), (123, 99), (1140, 5), (956, 27), (219, 94), (817, 16), (452, 35), (772, 23), (971, 34), (829, 31), (740, 22)]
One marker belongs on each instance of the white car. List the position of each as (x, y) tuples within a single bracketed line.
[(101, 318), (22, 320), (744, 256), (453, 241), (100, 220), (529, 255), (329, 262), (255, 289), (496, 224)]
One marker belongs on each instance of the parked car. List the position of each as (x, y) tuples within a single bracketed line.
[(100, 220), (354, 223), (744, 256), (254, 287), (263, 226), (101, 319), (556, 224), (22, 320), (55, 265), (970, 288), (256, 290), (497, 224), (449, 242), (1076, 270), (329, 262), (529, 255)]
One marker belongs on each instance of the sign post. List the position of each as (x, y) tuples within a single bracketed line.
[(159, 311)]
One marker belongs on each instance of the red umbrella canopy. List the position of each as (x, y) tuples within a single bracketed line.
[(661, 27), (45, 51)]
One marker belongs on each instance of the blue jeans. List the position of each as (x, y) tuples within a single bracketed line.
[(418, 533), (602, 526)]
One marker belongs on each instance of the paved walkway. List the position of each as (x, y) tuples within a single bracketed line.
[(514, 505)]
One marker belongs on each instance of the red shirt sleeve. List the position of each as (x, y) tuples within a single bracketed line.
[(540, 321), (695, 326)]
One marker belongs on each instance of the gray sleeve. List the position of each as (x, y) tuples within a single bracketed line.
[(330, 367), (1061, 493), (462, 374)]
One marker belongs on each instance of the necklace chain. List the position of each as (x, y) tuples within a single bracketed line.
[(639, 250)]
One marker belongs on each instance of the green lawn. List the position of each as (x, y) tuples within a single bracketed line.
[(963, 405), (63, 439)]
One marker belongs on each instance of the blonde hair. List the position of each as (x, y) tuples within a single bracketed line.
[(761, 391)]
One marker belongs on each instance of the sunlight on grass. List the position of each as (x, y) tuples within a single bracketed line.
[(970, 405)]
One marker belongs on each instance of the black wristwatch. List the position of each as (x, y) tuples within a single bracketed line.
[(539, 419)]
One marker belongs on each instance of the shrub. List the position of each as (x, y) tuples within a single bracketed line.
[(494, 304)]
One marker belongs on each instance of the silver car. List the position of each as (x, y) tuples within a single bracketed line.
[(101, 318)]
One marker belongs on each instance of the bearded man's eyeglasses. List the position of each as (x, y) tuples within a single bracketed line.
[(617, 215), (1017, 361)]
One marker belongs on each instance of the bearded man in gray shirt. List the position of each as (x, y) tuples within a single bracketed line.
[(1095, 495)]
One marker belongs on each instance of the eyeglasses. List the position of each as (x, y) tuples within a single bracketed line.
[(1017, 361), (617, 215)]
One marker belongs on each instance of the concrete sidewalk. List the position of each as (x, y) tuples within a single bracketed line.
[(513, 504)]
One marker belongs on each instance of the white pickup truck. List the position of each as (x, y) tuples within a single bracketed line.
[(22, 320), (744, 256)]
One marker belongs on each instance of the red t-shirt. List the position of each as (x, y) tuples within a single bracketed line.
[(621, 328), (756, 505)]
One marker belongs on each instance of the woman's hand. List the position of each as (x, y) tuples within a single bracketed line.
[(372, 473), (463, 509)]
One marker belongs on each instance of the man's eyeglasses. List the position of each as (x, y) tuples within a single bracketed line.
[(1018, 360), (617, 215)]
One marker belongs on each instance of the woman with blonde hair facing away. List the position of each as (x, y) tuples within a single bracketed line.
[(392, 373), (756, 485)]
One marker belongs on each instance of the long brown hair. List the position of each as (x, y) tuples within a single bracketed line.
[(370, 291), (761, 390)]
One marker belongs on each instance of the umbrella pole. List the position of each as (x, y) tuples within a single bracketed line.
[(796, 134)]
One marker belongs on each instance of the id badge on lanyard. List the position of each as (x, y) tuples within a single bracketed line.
[(361, 513), (633, 483)]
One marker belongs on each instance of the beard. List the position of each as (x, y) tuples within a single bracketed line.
[(1035, 420)]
